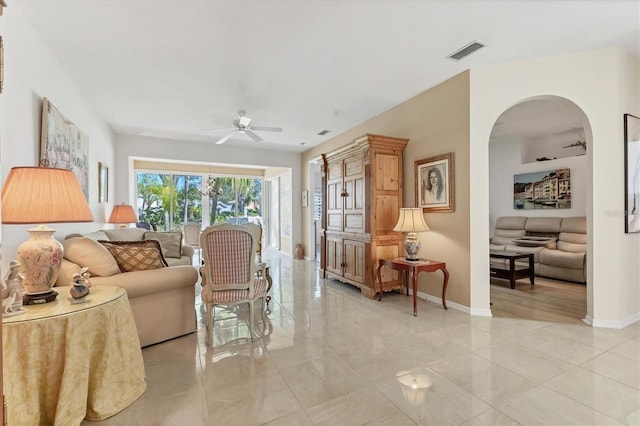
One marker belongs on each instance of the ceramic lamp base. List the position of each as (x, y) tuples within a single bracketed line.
[(40, 260), (412, 246)]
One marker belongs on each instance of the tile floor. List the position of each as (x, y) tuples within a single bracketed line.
[(333, 357)]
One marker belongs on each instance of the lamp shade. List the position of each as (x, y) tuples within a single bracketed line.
[(122, 214), (43, 195), (411, 220)]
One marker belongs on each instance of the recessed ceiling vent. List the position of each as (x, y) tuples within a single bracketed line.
[(323, 132), (466, 50)]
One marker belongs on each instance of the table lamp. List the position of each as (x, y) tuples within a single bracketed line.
[(411, 220), (39, 195), (122, 214)]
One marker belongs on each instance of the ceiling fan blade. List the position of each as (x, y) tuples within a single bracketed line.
[(253, 136), (267, 129), (225, 138)]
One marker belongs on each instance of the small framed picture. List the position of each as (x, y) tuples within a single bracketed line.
[(305, 198), (103, 183), (434, 183), (632, 173)]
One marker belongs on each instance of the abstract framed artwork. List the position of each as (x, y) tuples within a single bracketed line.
[(631, 173), (63, 145), (550, 189), (103, 183), (434, 183)]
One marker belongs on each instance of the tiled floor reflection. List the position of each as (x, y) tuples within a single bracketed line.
[(332, 357)]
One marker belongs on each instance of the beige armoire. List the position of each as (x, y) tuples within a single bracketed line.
[(363, 197)]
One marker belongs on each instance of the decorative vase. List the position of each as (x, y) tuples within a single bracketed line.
[(40, 259), (299, 252)]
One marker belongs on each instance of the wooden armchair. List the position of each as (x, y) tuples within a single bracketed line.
[(230, 274)]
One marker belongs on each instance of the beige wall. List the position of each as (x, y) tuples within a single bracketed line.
[(435, 122)]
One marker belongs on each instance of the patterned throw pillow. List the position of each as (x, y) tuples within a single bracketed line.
[(136, 255), (171, 242)]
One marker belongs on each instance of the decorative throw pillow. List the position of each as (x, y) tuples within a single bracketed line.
[(171, 242), (136, 255), (85, 251)]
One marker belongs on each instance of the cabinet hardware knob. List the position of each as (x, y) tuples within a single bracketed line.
[(343, 264)]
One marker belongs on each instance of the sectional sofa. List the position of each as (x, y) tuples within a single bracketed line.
[(559, 245)]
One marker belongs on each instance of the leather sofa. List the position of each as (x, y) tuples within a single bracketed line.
[(559, 245), (162, 300)]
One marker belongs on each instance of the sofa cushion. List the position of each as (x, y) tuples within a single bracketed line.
[(562, 259), (575, 225), (96, 235), (511, 222), (67, 270), (170, 242), (124, 234), (85, 251), (549, 226), (136, 255)]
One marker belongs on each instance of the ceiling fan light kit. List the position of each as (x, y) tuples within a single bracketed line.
[(243, 125)]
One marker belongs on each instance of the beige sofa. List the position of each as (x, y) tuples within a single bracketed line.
[(162, 300), (558, 245)]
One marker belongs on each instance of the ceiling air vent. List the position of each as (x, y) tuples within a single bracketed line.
[(466, 50), (323, 132)]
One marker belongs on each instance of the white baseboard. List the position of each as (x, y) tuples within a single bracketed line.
[(453, 305), (613, 324)]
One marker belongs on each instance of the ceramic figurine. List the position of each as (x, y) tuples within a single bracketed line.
[(81, 285), (12, 291)]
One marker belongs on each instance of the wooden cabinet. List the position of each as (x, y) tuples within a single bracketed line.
[(363, 196)]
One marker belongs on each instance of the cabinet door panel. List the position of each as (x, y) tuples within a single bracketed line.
[(335, 203), (353, 166), (354, 260), (354, 203), (387, 172), (334, 255), (386, 212)]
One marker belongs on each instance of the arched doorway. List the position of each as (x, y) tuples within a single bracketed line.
[(539, 136)]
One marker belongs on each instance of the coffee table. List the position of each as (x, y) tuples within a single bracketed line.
[(511, 270)]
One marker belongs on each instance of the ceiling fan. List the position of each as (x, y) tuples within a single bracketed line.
[(243, 125)]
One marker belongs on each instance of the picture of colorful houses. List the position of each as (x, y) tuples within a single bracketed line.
[(542, 190)]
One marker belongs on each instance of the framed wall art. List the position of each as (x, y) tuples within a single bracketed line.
[(63, 145), (434, 183), (550, 189), (631, 173), (103, 183)]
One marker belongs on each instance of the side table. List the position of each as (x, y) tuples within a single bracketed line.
[(414, 268), (67, 362)]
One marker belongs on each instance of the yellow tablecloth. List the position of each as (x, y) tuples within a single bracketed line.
[(66, 362)]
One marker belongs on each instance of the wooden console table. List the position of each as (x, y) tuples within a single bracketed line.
[(510, 270), (67, 362), (414, 268)]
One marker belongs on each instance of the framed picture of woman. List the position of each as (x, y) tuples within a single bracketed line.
[(434, 183)]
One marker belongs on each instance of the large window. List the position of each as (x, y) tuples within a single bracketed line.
[(169, 200)]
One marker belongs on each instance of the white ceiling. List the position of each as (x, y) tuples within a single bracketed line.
[(172, 68)]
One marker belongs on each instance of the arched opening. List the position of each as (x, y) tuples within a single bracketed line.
[(539, 186)]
